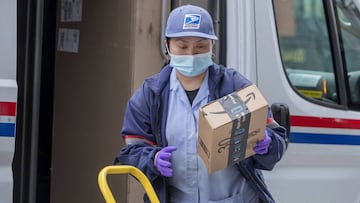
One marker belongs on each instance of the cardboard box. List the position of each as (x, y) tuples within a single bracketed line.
[(230, 127)]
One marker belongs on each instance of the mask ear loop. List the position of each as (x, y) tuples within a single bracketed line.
[(213, 56), (167, 52)]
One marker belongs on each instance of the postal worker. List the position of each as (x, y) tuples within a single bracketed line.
[(160, 126)]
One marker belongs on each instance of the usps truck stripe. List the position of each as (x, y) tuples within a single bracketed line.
[(325, 130), (7, 119)]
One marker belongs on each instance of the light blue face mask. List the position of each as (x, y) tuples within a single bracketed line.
[(191, 65)]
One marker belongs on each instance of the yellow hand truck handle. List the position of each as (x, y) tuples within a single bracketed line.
[(124, 169)]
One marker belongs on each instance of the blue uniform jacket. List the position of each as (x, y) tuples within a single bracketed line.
[(145, 123)]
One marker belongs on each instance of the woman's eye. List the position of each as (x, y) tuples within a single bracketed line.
[(203, 46)]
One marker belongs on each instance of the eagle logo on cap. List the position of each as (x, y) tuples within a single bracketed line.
[(192, 21)]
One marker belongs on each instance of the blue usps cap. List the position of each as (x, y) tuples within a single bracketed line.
[(190, 21)]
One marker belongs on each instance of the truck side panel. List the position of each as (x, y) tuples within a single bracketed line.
[(8, 96)]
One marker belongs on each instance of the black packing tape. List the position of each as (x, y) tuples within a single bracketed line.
[(240, 115)]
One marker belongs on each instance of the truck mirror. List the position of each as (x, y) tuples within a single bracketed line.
[(281, 115)]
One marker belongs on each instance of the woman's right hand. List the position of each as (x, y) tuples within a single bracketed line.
[(162, 161)]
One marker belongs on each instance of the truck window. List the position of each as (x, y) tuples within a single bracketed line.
[(349, 18), (306, 51)]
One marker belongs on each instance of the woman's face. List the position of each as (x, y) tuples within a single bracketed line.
[(189, 45)]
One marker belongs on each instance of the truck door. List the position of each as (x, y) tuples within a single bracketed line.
[(305, 54), (319, 79)]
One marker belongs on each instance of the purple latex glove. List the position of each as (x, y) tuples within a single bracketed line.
[(162, 161), (263, 145)]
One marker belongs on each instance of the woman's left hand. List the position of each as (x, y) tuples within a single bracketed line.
[(263, 145)]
